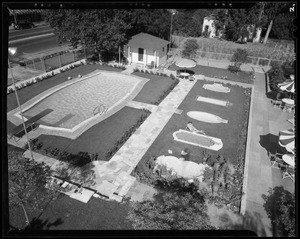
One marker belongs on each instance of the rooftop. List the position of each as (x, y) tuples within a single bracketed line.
[(147, 41)]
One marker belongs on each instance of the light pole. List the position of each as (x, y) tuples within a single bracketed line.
[(173, 12), (12, 51)]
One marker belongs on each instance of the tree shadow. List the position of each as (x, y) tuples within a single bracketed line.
[(271, 143), (38, 224), (250, 221), (273, 202)]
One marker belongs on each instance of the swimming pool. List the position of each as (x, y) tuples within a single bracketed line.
[(75, 103)]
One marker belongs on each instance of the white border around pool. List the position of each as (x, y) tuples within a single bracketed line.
[(94, 118)]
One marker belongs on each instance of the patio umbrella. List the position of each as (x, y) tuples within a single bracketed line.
[(288, 86), (287, 140), (186, 63)]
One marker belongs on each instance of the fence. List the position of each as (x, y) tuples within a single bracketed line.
[(59, 59), (258, 61)]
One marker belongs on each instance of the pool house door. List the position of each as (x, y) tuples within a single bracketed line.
[(141, 54)]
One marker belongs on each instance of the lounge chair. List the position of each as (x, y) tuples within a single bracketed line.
[(288, 172), (288, 108), (192, 128), (277, 103), (276, 160)]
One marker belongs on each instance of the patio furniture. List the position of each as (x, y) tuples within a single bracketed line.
[(276, 160), (289, 172), (276, 103), (287, 140), (192, 78), (192, 128), (288, 108), (288, 101)]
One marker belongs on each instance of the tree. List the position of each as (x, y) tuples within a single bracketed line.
[(283, 26), (258, 18), (190, 48), (173, 209), (28, 183), (106, 29), (280, 207), (238, 58), (276, 76), (272, 10)]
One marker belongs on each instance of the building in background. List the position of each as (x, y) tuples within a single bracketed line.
[(146, 49)]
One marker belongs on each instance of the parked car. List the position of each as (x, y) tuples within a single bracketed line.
[(23, 25)]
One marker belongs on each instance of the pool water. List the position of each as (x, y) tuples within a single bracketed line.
[(76, 103)]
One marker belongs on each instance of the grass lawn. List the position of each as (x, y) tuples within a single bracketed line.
[(98, 139), (220, 73), (29, 92), (230, 133), (154, 89), (66, 213)]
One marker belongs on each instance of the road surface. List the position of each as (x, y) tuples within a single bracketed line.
[(19, 34)]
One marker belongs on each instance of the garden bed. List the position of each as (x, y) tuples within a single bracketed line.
[(233, 135), (33, 90), (220, 73), (100, 142), (156, 89)]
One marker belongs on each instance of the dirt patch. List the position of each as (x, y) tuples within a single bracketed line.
[(22, 73)]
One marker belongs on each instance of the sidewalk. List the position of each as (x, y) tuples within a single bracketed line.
[(265, 122)]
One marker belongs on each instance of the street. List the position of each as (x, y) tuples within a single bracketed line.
[(35, 45), (19, 34)]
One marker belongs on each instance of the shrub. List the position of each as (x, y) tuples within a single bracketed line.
[(276, 76), (239, 57), (190, 48), (233, 69)]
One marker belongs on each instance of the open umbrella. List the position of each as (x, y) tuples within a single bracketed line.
[(186, 63), (288, 86), (287, 139)]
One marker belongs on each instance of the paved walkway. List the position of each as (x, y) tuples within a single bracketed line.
[(264, 126)]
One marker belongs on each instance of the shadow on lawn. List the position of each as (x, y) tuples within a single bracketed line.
[(270, 143), (249, 221), (38, 224)]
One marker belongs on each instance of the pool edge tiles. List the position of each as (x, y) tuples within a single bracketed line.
[(78, 129)]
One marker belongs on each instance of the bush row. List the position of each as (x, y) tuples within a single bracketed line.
[(127, 135), (41, 78), (152, 72), (79, 159)]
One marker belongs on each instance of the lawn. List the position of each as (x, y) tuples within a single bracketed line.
[(232, 134), (98, 139), (220, 73), (66, 213), (154, 90), (29, 92)]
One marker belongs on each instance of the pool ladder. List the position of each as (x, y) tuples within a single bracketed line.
[(100, 109)]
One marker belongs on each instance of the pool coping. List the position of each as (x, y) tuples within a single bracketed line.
[(15, 117)]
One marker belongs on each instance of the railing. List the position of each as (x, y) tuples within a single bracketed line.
[(100, 109)]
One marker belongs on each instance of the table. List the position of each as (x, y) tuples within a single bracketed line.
[(288, 101), (289, 159), (185, 75)]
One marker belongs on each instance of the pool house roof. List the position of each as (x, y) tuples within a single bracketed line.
[(147, 41)]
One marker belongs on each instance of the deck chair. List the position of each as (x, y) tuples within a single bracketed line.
[(277, 103), (289, 172), (276, 160), (288, 108), (193, 129), (192, 78)]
